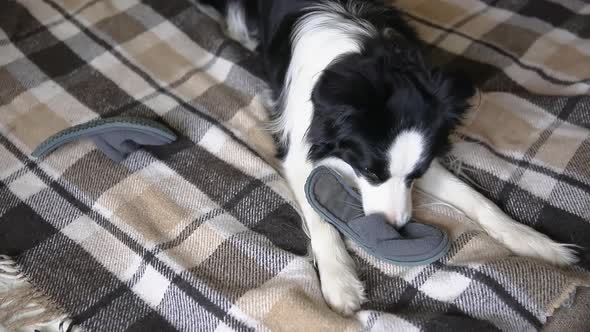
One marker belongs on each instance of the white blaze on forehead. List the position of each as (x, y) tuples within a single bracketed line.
[(405, 153), (393, 198)]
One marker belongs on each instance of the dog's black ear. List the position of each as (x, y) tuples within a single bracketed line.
[(351, 81), (453, 91), (328, 127)]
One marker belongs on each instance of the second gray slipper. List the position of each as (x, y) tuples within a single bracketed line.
[(116, 137)]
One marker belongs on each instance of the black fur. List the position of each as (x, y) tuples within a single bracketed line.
[(362, 101)]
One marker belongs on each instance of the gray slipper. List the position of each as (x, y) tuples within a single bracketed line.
[(340, 205), (116, 137)]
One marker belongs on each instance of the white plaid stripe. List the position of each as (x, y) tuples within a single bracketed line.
[(166, 236)]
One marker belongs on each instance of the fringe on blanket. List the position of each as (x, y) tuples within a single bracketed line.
[(22, 306)]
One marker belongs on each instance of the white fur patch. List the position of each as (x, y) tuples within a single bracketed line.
[(394, 198), (318, 39), (237, 27), (405, 153)]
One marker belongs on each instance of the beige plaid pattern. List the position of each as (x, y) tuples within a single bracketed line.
[(203, 234)]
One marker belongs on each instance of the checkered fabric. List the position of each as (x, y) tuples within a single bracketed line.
[(203, 234)]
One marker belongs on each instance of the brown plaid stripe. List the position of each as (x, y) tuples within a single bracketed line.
[(530, 150), (202, 234)]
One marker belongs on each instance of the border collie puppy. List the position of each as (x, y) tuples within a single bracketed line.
[(352, 92)]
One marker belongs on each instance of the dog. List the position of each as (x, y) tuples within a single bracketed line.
[(352, 91)]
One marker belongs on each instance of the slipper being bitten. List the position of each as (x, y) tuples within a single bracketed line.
[(414, 244)]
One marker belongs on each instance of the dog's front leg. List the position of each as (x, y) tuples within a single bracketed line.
[(520, 239), (339, 281)]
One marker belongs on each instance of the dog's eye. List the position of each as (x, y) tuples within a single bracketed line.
[(370, 175)]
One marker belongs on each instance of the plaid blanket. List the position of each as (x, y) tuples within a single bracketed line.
[(203, 234)]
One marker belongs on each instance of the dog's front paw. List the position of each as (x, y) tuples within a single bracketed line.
[(342, 289), (525, 241)]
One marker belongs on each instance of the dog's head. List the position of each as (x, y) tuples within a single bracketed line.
[(387, 115)]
